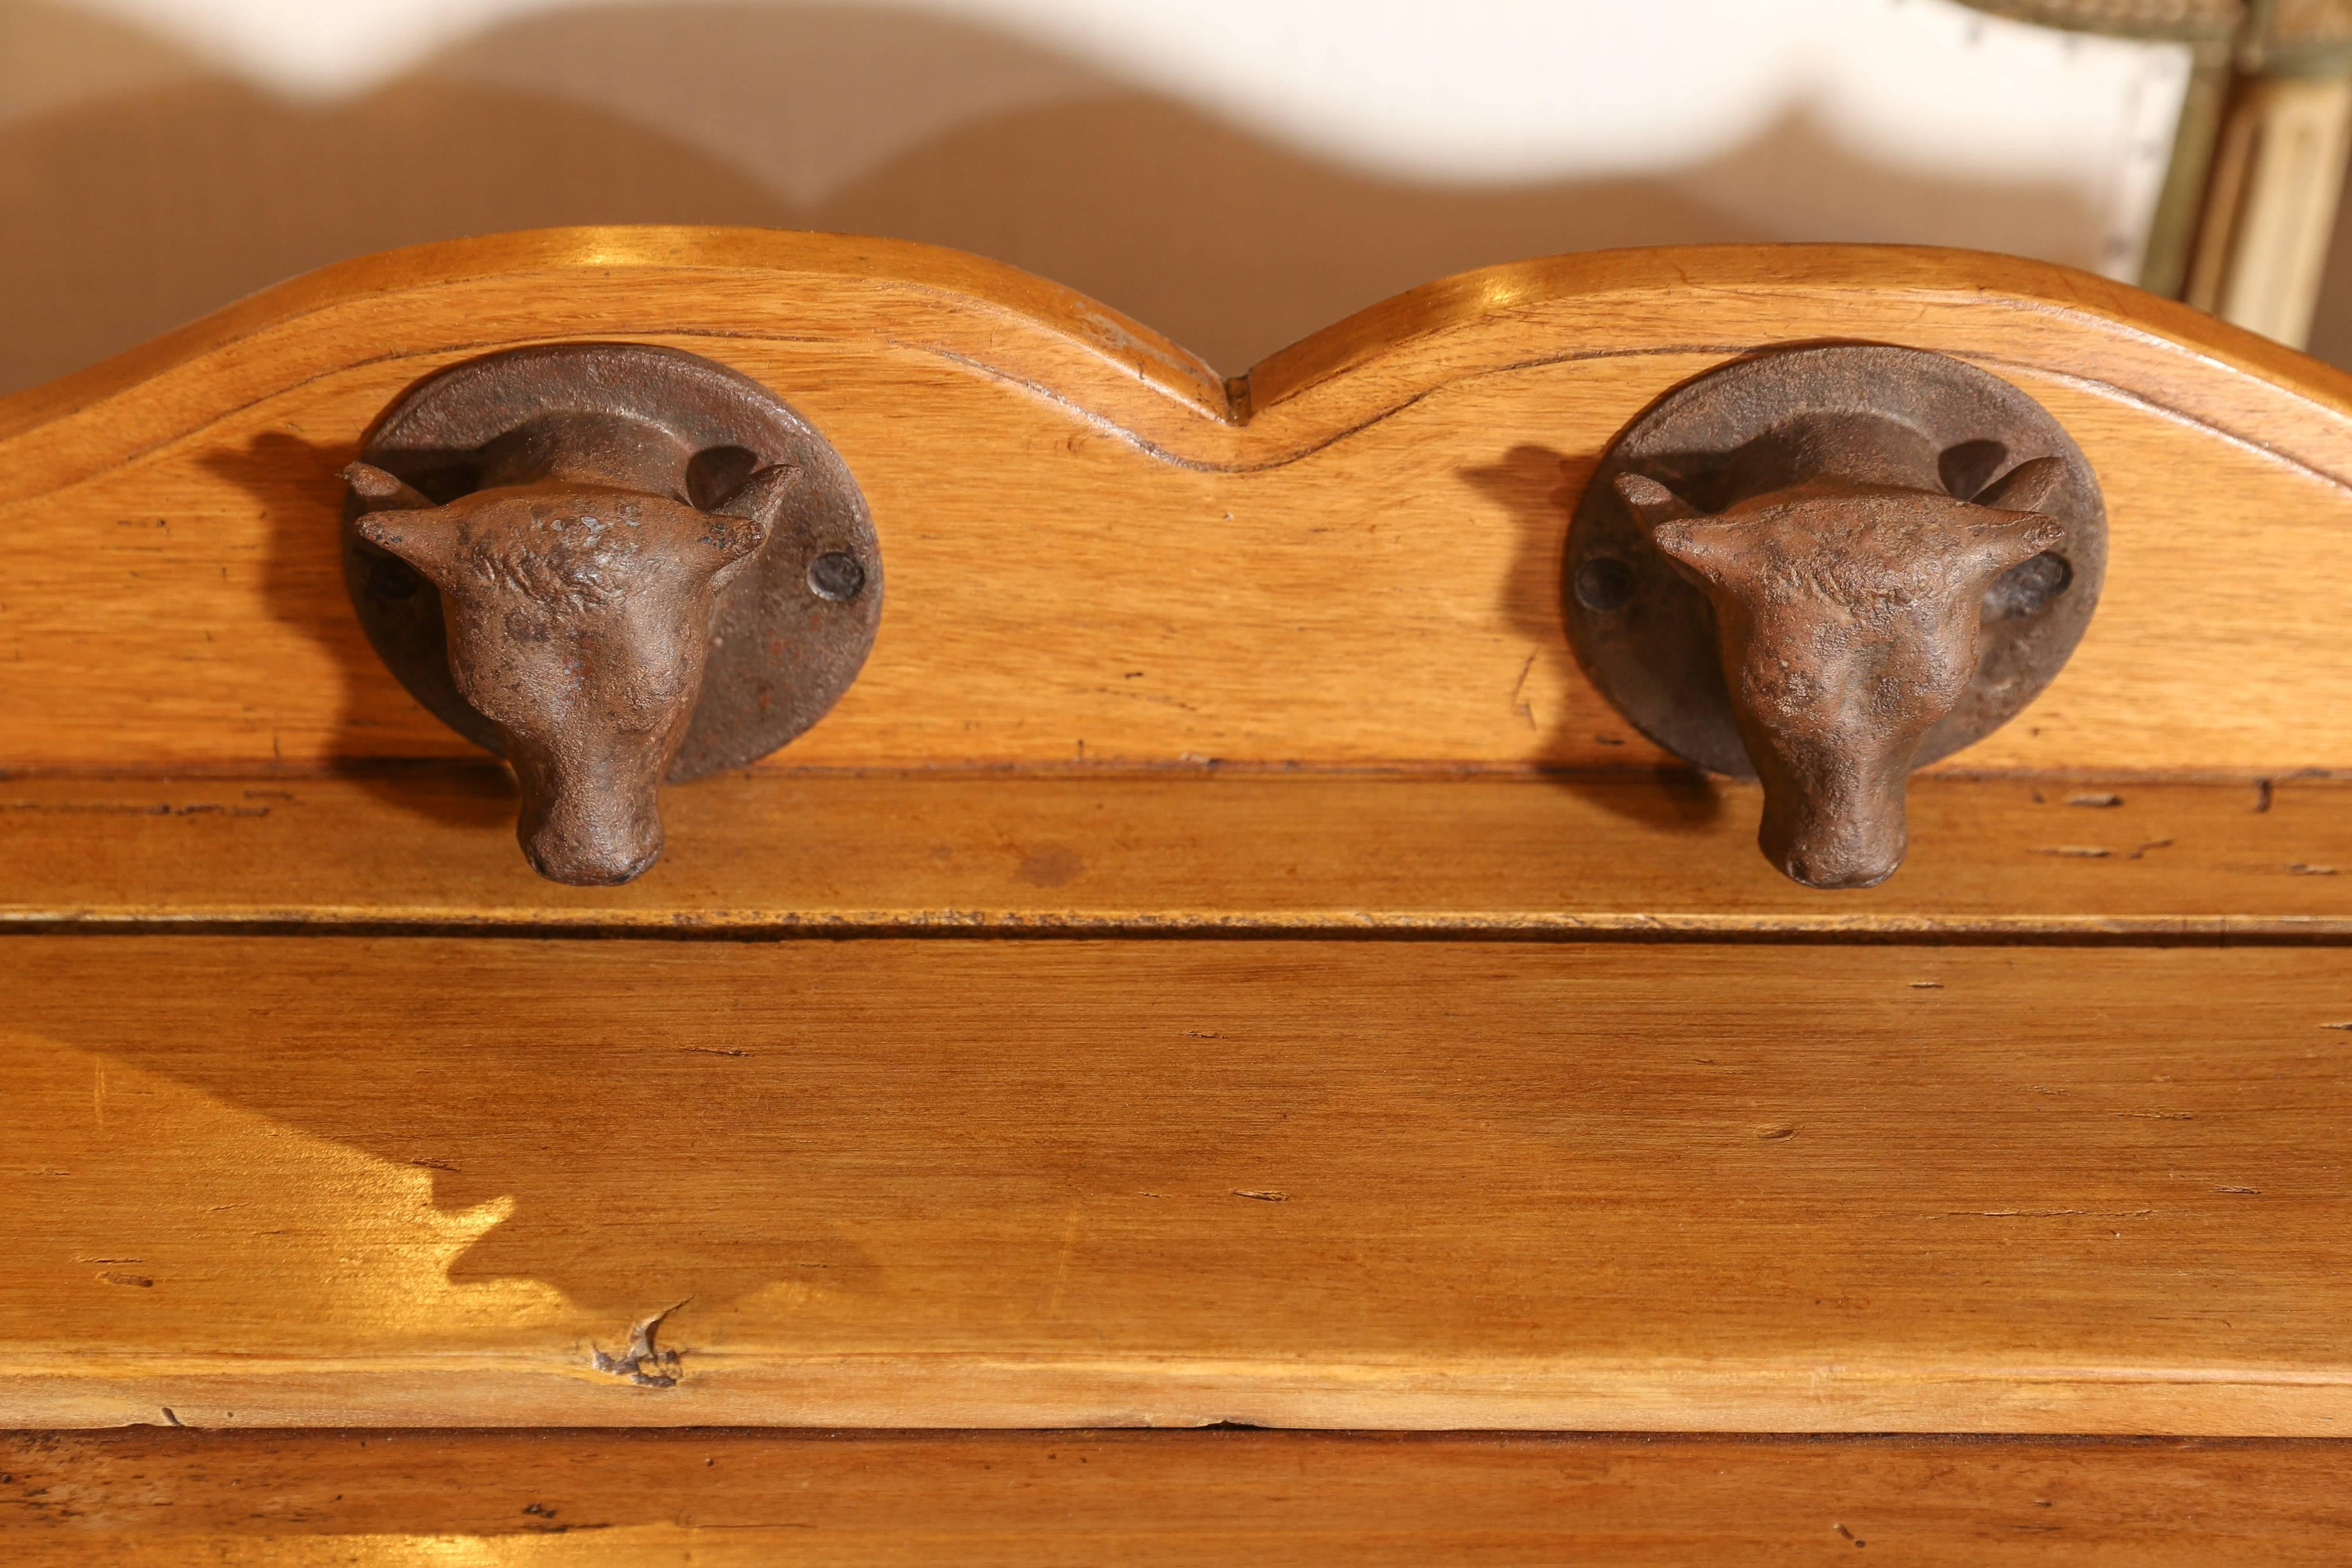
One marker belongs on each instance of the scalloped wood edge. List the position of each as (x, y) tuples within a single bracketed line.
[(1100, 554), (1144, 386)]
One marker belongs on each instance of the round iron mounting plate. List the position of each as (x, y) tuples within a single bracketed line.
[(1646, 635), (789, 631)]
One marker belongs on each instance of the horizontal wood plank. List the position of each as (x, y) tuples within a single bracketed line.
[(1094, 555), (279, 1499), (324, 1181), (1624, 855)]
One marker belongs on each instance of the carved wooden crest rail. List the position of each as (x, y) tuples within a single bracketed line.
[(2045, 1133)]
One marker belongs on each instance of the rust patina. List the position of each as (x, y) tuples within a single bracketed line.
[(1825, 566), (615, 526)]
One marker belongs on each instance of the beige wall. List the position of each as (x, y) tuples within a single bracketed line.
[(153, 166)]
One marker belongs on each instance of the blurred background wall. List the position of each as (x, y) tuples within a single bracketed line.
[(1233, 173)]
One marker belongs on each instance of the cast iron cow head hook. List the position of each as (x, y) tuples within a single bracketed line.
[(1826, 567), (587, 557), (579, 623)]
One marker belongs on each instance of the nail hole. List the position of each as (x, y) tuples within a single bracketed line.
[(2025, 588), (1967, 468), (837, 575), (716, 473), (391, 579), (1604, 583)]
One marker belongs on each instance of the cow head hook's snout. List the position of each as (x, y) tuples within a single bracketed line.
[(586, 833), (1838, 828), (578, 617)]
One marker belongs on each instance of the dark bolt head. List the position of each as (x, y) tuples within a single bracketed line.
[(837, 575), (1604, 583)]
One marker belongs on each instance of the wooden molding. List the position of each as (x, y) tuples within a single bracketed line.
[(325, 1113), (759, 1500), (1625, 856), (330, 1180), (1100, 556)]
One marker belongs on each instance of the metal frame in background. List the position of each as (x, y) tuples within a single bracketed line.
[(2249, 205)]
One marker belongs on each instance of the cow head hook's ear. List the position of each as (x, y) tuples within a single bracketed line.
[(395, 518), (741, 523), (383, 492), (1687, 536), (2016, 524), (2031, 487), (1652, 502)]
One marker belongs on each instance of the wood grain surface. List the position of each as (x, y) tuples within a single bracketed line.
[(714, 1499), (323, 1112), (1602, 1186), (1099, 557), (1634, 855)]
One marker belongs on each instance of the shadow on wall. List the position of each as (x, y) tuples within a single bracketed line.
[(165, 189)]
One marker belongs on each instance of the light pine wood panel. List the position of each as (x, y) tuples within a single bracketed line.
[(713, 1499), (1602, 854), (1095, 555), (328, 1180)]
